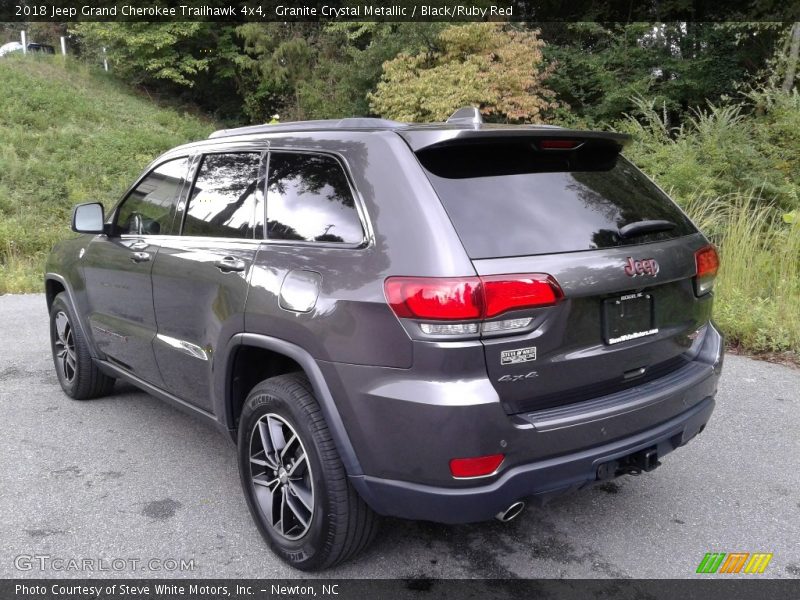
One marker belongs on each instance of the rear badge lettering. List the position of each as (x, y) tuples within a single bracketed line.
[(646, 266), (520, 355), (522, 377)]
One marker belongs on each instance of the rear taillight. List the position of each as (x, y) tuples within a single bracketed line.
[(472, 299), (707, 263)]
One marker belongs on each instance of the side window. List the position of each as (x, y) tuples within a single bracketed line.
[(150, 208), (226, 200), (309, 199)]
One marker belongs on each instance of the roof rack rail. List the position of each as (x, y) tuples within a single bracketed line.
[(320, 125), (467, 115)]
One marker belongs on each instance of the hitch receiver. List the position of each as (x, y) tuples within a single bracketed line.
[(634, 464)]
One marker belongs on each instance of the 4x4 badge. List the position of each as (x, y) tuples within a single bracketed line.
[(646, 266)]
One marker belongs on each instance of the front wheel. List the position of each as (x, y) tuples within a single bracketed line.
[(294, 481), (78, 375)]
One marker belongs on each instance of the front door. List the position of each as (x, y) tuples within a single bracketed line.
[(117, 270), (200, 278)]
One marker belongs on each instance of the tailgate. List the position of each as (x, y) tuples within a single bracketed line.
[(611, 331)]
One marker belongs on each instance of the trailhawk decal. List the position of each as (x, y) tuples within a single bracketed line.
[(520, 355)]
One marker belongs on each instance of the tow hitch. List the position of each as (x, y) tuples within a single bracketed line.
[(634, 464)]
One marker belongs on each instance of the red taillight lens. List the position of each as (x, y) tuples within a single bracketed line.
[(502, 294), (441, 299), (707, 262), (468, 298), (476, 467)]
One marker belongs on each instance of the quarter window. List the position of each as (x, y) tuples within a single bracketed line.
[(150, 208), (226, 200), (309, 199)]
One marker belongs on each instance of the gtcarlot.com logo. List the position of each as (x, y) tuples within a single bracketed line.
[(734, 562), (46, 562)]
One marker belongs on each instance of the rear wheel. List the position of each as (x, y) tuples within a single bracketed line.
[(294, 481), (78, 375)]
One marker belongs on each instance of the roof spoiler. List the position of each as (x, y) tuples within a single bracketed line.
[(419, 139)]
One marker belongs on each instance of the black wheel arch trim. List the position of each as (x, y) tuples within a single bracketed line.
[(315, 377), (93, 351)]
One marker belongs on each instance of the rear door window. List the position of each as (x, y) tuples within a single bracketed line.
[(226, 199), (309, 199), (511, 199)]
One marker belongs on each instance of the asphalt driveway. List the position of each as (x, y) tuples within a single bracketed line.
[(127, 477)]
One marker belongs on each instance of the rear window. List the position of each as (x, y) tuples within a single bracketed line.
[(511, 199)]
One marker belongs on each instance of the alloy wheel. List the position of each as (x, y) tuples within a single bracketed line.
[(281, 476), (65, 347)]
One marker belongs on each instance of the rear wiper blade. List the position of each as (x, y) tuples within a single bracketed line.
[(642, 227)]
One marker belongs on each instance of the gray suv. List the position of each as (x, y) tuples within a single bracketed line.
[(439, 322)]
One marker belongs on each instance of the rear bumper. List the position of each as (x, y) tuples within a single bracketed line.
[(540, 480), (404, 436)]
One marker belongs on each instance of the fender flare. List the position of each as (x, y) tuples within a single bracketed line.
[(315, 377), (93, 351)]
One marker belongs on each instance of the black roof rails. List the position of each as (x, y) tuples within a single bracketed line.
[(348, 123)]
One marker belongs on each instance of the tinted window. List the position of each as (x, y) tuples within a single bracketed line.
[(511, 200), (150, 208), (226, 200), (309, 199)]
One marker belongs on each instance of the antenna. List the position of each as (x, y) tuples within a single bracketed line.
[(468, 115)]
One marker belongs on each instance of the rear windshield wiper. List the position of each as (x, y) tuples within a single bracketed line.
[(642, 227)]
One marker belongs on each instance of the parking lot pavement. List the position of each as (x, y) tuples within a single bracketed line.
[(129, 477)]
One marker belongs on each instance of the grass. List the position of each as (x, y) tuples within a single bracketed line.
[(69, 134), (757, 300)]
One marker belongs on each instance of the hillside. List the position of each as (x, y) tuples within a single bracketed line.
[(69, 134)]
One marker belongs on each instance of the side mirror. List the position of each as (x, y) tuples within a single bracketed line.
[(88, 218)]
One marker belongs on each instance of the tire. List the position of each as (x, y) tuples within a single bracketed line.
[(78, 375), (324, 521)]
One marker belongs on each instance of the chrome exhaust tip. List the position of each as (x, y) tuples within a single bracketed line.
[(512, 512)]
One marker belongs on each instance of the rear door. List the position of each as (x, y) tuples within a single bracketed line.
[(619, 248), (117, 270), (200, 278)]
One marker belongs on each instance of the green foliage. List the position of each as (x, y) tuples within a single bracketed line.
[(485, 64), (68, 135), (139, 51), (723, 149), (757, 300), (600, 68), (335, 65), (201, 62)]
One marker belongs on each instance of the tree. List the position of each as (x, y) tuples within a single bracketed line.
[(490, 65), (791, 64)]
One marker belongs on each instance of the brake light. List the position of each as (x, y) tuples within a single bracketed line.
[(707, 264), (441, 299), (558, 144), (502, 294), (468, 298), (479, 466)]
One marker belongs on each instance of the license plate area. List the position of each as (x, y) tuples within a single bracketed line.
[(628, 317)]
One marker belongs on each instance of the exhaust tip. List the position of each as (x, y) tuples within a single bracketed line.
[(512, 512)]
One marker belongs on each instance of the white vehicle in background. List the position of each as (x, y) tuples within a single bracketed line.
[(10, 47)]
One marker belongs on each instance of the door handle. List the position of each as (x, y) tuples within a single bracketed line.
[(140, 257), (230, 264)]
